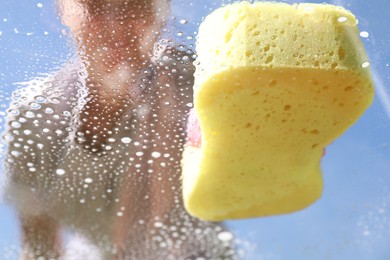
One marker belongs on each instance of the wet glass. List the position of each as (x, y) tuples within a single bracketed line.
[(97, 127)]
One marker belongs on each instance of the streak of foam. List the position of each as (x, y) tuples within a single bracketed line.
[(246, 249), (373, 226), (81, 248), (9, 251), (382, 92), (338, 2)]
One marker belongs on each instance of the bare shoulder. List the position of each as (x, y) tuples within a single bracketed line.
[(36, 129)]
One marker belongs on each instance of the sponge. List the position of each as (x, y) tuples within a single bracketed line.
[(274, 84)]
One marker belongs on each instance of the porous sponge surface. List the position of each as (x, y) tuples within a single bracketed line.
[(271, 34), (276, 83)]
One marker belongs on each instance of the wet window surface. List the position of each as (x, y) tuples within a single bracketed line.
[(95, 97)]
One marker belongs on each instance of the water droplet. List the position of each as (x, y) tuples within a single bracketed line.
[(365, 64), (30, 114), (35, 106), (126, 140), (119, 214), (225, 236), (49, 110), (67, 113), (39, 5), (156, 154), (158, 224), (40, 99), (364, 34), (111, 140), (88, 180), (139, 153), (8, 137), (14, 112), (55, 100), (60, 172), (342, 19), (27, 132), (183, 21), (15, 153), (15, 124)]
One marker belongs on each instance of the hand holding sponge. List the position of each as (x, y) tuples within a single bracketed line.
[(274, 84)]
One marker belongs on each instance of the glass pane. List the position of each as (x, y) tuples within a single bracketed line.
[(95, 97)]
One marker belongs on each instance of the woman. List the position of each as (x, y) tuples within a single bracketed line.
[(96, 146)]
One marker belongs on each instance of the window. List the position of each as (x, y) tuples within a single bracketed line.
[(97, 95)]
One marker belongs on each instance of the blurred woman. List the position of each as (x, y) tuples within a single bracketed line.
[(96, 146)]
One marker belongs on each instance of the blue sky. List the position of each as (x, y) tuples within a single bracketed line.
[(350, 221)]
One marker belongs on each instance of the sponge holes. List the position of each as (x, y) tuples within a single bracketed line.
[(341, 53), (310, 131), (273, 83), (349, 88), (269, 59)]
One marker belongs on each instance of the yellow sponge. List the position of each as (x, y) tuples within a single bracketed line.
[(275, 84)]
